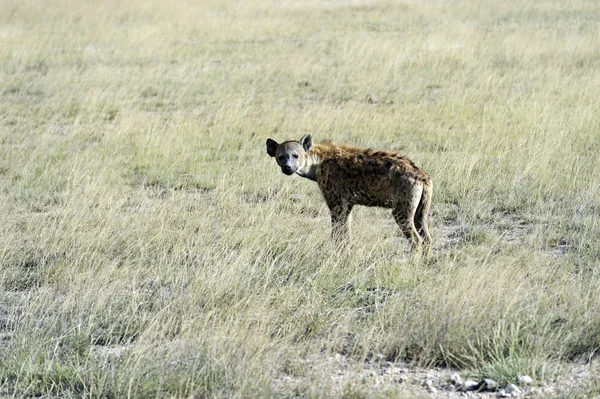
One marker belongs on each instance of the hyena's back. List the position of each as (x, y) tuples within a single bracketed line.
[(372, 178)]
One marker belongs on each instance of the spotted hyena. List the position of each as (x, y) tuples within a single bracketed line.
[(349, 176)]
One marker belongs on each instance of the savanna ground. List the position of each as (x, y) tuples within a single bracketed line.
[(149, 247)]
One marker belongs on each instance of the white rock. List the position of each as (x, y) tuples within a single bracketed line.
[(548, 390), (392, 370), (487, 384), (372, 98), (524, 380), (470, 385), (430, 387), (502, 394), (514, 390), (455, 379)]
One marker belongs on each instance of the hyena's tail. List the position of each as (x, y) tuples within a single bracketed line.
[(422, 214)]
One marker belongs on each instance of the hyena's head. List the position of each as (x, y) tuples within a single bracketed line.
[(290, 155)]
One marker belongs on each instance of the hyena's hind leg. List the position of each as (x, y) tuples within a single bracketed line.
[(422, 215), (404, 213)]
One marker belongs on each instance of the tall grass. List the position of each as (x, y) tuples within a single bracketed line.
[(150, 247)]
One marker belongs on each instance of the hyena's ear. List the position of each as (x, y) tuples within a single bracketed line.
[(306, 142), (272, 147)]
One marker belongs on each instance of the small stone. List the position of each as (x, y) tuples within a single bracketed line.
[(455, 379), (339, 357), (4, 323), (487, 384), (469, 385), (502, 394), (380, 356), (512, 388), (430, 387), (372, 99), (524, 380), (392, 370), (5, 337)]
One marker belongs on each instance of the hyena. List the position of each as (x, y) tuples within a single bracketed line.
[(349, 176)]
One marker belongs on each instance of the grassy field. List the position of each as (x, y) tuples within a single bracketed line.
[(149, 247)]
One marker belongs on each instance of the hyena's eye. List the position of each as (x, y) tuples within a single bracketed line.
[(296, 156), (281, 157)]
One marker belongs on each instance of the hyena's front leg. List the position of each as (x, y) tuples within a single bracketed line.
[(340, 222)]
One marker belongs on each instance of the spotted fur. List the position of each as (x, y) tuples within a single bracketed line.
[(349, 176)]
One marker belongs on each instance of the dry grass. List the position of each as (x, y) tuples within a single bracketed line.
[(150, 247)]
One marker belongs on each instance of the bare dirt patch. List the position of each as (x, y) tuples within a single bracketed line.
[(377, 377)]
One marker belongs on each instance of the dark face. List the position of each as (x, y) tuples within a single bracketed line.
[(289, 154), (288, 157)]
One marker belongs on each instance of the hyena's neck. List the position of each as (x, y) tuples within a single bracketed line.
[(312, 161), (311, 166)]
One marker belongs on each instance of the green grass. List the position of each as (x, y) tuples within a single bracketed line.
[(150, 247)]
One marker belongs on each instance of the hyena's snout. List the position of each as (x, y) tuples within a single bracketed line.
[(289, 169), (288, 163)]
